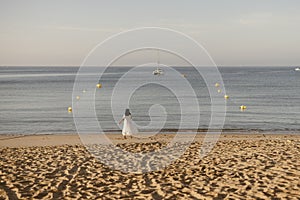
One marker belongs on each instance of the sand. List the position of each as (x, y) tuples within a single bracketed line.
[(240, 166)]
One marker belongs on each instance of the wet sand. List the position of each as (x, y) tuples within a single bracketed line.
[(240, 166)]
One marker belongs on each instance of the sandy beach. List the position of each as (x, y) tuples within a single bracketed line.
[(240, 166)]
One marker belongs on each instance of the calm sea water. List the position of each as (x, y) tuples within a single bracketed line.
[(34, 100)]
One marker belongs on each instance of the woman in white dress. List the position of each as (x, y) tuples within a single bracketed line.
[(128, 128)]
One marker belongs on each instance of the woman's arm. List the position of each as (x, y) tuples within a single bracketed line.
[(120, 122)]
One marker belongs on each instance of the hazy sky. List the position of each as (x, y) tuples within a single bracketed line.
[(234, 32)]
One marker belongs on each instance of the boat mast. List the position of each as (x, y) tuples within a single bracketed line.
[(158, 59)]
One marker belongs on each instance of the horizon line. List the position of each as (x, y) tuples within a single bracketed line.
[(133, 66)]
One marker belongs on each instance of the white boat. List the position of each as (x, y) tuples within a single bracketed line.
[(297, 69), (158, 71)]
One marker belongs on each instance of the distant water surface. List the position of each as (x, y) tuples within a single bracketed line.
[(34, 100)]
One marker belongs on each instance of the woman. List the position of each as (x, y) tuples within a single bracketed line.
[(128, 127)]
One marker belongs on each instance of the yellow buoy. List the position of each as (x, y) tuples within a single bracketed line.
[(77, 97), (243, 107), (70, 109), (99, 85), (226, 97), (183, 75), (217, 84), (219, 91), (84, 91)]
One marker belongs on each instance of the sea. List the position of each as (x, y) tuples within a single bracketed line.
[(35, 100)]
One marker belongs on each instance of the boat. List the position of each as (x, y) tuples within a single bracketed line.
[(297, 69), (158, 71)]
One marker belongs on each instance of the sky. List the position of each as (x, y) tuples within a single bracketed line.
[(234, 32)]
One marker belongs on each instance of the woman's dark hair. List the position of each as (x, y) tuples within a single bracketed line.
[(127, 112)]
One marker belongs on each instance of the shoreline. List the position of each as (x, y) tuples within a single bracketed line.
[(38, 140), (171, 131)]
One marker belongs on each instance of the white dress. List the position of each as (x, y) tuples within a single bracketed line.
[(128, 128)]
